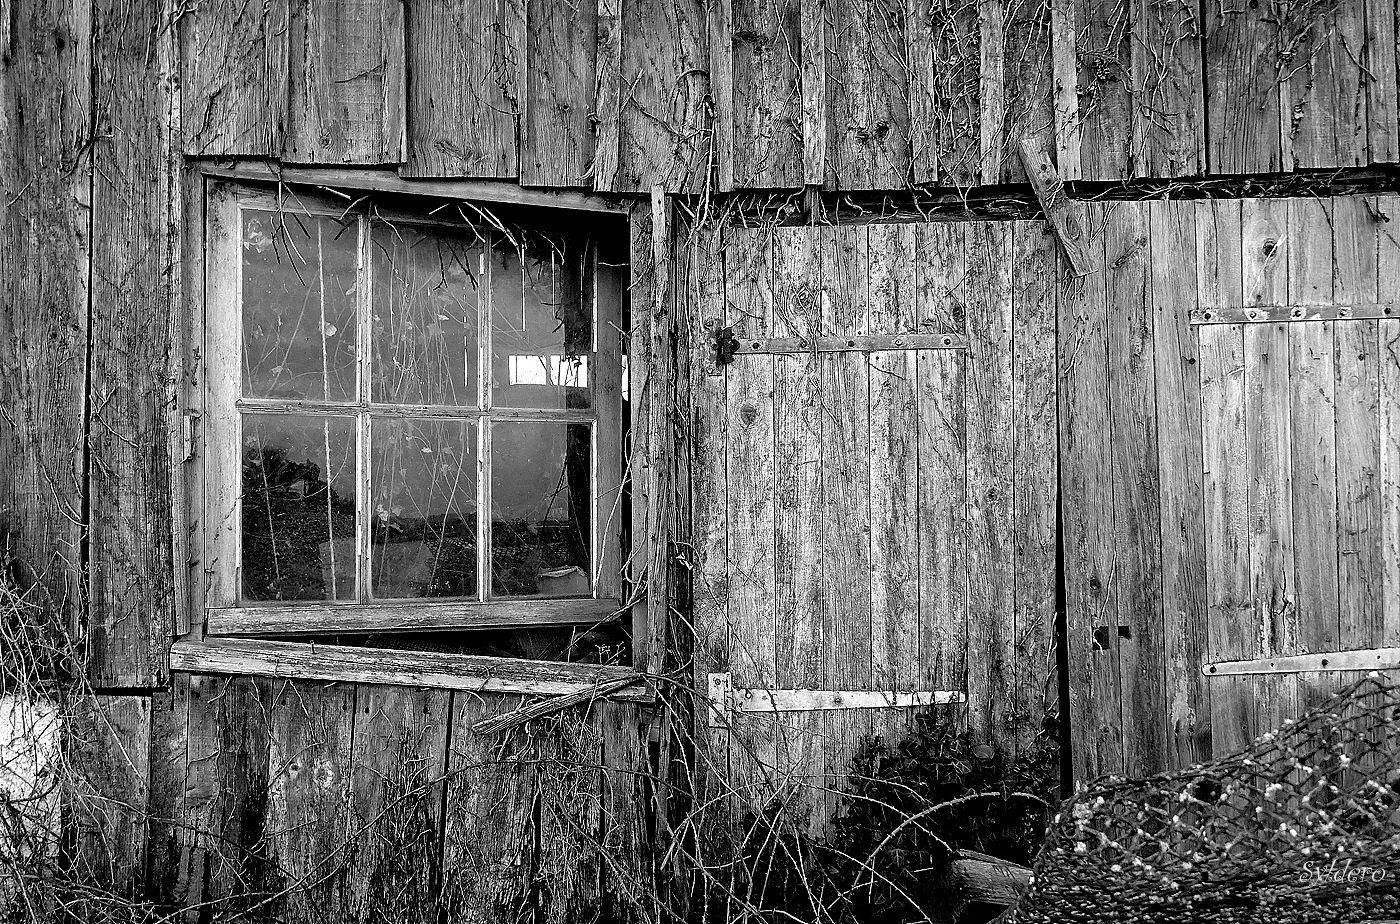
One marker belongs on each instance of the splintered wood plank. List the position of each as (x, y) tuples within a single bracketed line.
[(167, 793), (990, 543), (1324, 95), (766, 92), (1242, 88), (129, 394), (1106, 104), (1357, 368), (346, 66), (567, 874), (866, 94), (398, 761), (894, 482), (1274, 613), (1033, 664), (556, 134), (1388, 280), (488, 828), (309, 786), (1313, 413), (845, 500), (1379, 77), (945, 92), (233, 88), (464, 99), (1176, 355), (625, 806), (1169, 116), (1224, 453), (106, 744), (941, 298), (663, 125), (1133, 412), (1096, 714), (1028, 81)]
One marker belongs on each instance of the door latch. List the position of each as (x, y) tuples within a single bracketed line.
[(726, 345)]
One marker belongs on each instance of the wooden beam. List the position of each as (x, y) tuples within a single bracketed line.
[(1361, 659), (325, 618), (1271, 314), (468, 673), (1050, 193)]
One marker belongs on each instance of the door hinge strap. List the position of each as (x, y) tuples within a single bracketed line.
[(1273, 314), (854, 343), (1359, 659), (726, 698)]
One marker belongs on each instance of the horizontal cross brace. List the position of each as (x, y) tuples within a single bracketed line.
[(872, 343), (1360, 659), (1269, 314), (726, 698)]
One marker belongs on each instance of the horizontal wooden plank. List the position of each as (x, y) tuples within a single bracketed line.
[(281, 405), (1360, 659), (855, 343), (318, 619), (1267, 314), (468, 673), (499, 191)]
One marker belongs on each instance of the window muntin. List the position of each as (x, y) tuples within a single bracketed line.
[(367, 457)]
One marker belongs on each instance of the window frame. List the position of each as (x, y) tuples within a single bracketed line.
[(223, 609)]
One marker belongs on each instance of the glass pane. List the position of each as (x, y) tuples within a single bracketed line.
[(540, 509), (423, 528), (299, 337), (425, 316), (541, 326), (298, 507)]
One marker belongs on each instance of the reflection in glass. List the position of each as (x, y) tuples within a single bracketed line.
[(298, 276), (298, 507), (541, 326), (540, 528), (425, 314), (423, 508)]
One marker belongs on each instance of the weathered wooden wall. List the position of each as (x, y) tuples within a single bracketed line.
[(1231, 490)]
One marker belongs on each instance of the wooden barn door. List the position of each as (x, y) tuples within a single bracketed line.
[(874, 510)]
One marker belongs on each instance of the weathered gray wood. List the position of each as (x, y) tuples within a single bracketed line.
[(990, 882), (234, 90), (1106, 106), (1387, 280), (1168, 118), (568, 869), (556, 135), (470, 673), (321, 619), (1242, 77), (766, 93), (346, 82), (1360, 659), (1028, 75), (1379, 74), (1323, 93), (866, 94), (945, 61), (106, 744), (1050, 193), (466, 64), (1065, 94)]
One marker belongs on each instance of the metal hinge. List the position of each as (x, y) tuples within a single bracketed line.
[(188, 421), (725, 698), (1359, 659)]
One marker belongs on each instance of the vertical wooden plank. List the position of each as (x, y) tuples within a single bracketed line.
[(1169, 117), (45, 107), (629, 892), (165, 804), (1388, 280), (1225, 457), (567, 875), (1138, 593), (607, 96), (766, 92), (106, 743), (1106, 105), (941, 300), (1380, 76), (556, 136), (991, 116), (990, 446), (1033, 664), (1087, 508), (346, 64), (866, 94), (1242, 88), (397, 764), (1180, 467), (946, 64), (129, 481), (463, 114), (1312, 410), (1357, 369), (664, 133), (1065, 94), (845, 498), (815, 139), (887, 99), (1274, 615), (1324, 95), (234, 78), (720, 20), (1028, 78)]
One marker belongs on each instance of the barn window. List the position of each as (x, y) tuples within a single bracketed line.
[(411, 423)]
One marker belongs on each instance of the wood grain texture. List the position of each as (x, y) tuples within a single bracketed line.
[(328, 618), (1168, 118), (945, 61), (1028, 81), (1387, 279), (46, 111), (234, 78), (556, 136), (465, 63), (866, 94), (1064, 61), (766, 118), (129, 481), (106, 743), (1378, 75), (1323, 91), (1242, 89), (346, 83), (1106, 105)]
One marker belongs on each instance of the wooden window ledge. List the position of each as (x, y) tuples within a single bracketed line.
[(467, 673), (327, 618)]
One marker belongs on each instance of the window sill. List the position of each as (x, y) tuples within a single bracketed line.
[(467, 673), (407, 616)]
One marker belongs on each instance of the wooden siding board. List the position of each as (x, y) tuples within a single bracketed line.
[(129, 486), (1180, 467), (1324, 93), (1137, 512), (1388, 280), (1065, 87), (346, 84), (234, 79), (948, 57), (44, 220), (991, 89), (1106, 105), (465, 63), (1028, 78), (556, 135), (1242, 89), (106, 745), (866, 95), (1381, 80), (567, 872), (766, 93), (1168, 118)]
